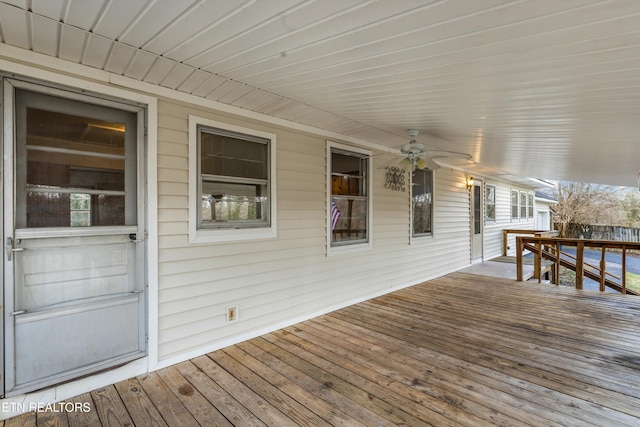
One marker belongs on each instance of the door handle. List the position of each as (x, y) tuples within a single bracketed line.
[(133, 238), (11, 249)]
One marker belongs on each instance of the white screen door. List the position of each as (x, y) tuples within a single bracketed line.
[(477, 223), (73, 235)]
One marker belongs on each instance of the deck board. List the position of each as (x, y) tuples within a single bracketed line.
[(460, 350)]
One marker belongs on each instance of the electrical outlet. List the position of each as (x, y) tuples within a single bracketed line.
[(232, 313)]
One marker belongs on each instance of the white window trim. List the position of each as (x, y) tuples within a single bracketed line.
[(203, 235), (421, 238), (356, 247)]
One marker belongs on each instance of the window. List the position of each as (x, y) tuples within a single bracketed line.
[(530, 204), (490, 203), (523, 205), (422, 202), (349, 211), (514, 204), (231, 182)]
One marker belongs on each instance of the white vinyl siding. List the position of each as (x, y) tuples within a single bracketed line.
[(275, 282)]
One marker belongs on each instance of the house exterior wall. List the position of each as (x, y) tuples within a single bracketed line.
[(493, 229), (273, 282), (291, 277)]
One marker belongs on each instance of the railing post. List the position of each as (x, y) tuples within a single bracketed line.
[(603, 268), (519, 250), (505, 236), (579, 264)]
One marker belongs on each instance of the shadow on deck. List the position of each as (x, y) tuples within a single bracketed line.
[(463, 349)]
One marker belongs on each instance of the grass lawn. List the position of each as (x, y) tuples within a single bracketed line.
[(633, 281)]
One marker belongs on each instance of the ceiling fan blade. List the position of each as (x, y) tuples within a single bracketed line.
[(441, 154)]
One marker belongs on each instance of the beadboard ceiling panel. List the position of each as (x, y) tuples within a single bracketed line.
[(72, 41), (97, 50), (44, 35), (140, 64), (545, 89), (15, 26), (54, 9), (119, 58)]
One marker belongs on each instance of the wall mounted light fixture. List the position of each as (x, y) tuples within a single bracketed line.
[(469, 182)]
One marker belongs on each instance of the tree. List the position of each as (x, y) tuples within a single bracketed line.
[(631, 209), (583, 203)]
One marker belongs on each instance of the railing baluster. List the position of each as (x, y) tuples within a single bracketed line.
[(556, 273), (603, 268), (537, 265), (624, 269)]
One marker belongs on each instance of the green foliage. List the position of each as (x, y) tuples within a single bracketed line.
[(631, 208), (633, 281)]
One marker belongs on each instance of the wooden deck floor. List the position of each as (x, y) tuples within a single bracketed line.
[(459, 350)]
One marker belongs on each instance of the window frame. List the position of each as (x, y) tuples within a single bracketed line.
[(515, 206), (412, 216), (358, 245), (235, 232), (530, 206)]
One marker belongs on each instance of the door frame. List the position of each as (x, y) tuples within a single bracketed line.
[(7, 188)]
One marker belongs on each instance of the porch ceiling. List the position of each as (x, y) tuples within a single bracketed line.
[(544, 89)]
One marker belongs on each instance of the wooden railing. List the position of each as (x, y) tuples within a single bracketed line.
[(549, 248), (535, 233)]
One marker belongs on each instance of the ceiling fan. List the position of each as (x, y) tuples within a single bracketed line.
[(416, 155)]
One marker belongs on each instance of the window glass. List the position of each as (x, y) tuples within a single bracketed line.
[(75, 170), (422, 201), (477, 209), (523, 205), (530, 204), (514, 204), (490, 202), (234, 180), (349, 198)]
